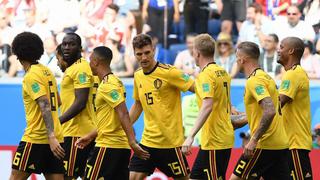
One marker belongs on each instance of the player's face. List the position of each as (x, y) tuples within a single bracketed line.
[(145, 56), (196, 55), (239, 57), (93, 63), (61, 63), (70, 48), (283, 51)]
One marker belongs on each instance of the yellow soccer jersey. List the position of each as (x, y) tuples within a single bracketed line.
[(110, 94), (37, 82), (296, 114), (259, 86), (77, 76), (217, 131), (159, 94)]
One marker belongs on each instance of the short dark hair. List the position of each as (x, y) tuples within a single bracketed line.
[(103, 53), (257, 7), (249, 48), (141, 40), (275, 37), (59, 50), (78, 38), (27, 46), (308, 44), (298, 46), (114, 7)]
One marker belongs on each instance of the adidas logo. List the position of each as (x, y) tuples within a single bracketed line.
[(31, 167), (254, 175), (308, 175)]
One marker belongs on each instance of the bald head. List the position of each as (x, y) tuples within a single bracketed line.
[(295, 44)]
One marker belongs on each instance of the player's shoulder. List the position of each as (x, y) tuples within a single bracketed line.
[(166, 66)]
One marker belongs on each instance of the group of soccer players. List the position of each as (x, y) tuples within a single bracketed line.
[(92, 135)]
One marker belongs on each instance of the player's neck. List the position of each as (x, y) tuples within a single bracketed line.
[(291, 63), (150, 68), (250, 69), (205, 62), (27, 65), (103, 73)]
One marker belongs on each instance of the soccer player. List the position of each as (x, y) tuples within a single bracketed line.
[(111, 154), (39, 150), (77, 104), (213, 96), (157, 92), (266, 152), (295, 103)]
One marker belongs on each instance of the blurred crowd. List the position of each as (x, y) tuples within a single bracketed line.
[(172, 23)]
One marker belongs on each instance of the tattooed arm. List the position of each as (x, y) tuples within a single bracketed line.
[(268, 114), (238, 121), (45, 108)]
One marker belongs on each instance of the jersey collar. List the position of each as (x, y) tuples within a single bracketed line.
[(153, 69)]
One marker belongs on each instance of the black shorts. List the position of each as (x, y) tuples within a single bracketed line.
[(109, 163), (299, 164), (170, 161), (269, 164), (75, 158), (36, 158), (234, 10), (211, 164)]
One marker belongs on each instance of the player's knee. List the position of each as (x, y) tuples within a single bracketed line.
[(183, 178), (18, 175), (137, 175), (234, 177)]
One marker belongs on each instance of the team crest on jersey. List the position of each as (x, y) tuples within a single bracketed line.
[(114, 95), (82, 78), (35, 87), (285, 85), (260, 90), (186, 77), (157, 83)]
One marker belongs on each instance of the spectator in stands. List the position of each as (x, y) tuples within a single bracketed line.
[(120, 66), (316, 137), (35, 26), (49, 58), (256, 27), (153, 13), (268, 57), (6, 31), (310, 62), (185, 60), (231, 10), (312, 12), (196, 16), (294, 26), (225, 54), (94, 10), (15, 69), (274, 8), (5, 53)]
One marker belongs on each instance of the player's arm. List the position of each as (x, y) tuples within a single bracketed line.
[(45, 108), (239, 120), (79, 103), (268, 114), (284, 99), (205, 110), (135, 111), (123, 115), (85, 140), (191, 88), (59, 99)]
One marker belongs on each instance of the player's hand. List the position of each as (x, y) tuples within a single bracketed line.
[(249, 148), (141, 153), (56, 148), (234, 111), (83, 142), (186, 146)]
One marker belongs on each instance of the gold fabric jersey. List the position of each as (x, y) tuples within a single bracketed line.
[(159, 94), (77, 76), (110, 94), (259, 86), (296, 114), (217, 132), (39, 81)]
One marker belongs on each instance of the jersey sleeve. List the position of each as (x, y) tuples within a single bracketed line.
[(82, 77), (205, 86), (135, 90), (35, 87), (179, 79), (258, 89), (288, 85), (112, 95)]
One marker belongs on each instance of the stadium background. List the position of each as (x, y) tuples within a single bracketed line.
[(13, 122)]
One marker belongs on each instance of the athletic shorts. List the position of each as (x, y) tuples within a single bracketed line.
[(234, 10), (75, 158), (170, 161), (108, 163), (269, 164), (211, 164), (36, 158), (299, 164)]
